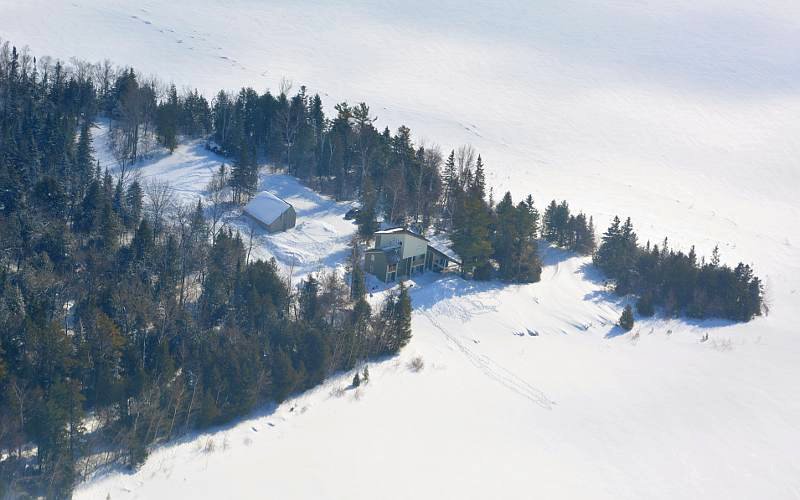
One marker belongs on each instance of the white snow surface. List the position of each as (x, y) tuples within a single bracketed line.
[(266, 207), (683, 114)]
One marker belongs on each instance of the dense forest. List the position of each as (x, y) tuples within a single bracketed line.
[(127, 319)]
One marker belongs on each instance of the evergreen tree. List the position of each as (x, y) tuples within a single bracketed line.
[(451, 186), (400, 321), (527, 263), (134, 199), (367, 214), (84, 159), (167, 117), (471, 230), (506, 237), (626, 320), (244, 176)]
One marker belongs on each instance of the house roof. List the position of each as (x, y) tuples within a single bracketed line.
[(266, 207), (397, 230), (442, 244), (392, 253)]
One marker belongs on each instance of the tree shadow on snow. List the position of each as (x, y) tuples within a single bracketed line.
[(606, 295), (306, 201), (615, 331), (432, 288)]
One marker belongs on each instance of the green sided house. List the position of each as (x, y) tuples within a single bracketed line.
[(400, 253)]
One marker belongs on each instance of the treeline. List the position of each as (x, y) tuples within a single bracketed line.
[(395, 181), (501, 240), (678, 282), (116, 303), (124, 318)]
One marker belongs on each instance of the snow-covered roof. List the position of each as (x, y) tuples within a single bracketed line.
[(266, 207), (441, 243), (398, 230), (391, 231)]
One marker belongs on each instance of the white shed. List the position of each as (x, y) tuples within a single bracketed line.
[(271, 212)]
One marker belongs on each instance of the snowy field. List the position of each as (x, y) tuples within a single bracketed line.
[(684, 115)]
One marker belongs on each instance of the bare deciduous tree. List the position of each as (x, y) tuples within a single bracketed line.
[(160, 201), (465, 161)]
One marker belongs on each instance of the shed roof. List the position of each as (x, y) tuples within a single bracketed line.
[(266, 207)]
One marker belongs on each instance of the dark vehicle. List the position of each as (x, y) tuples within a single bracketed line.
[(352, 214)]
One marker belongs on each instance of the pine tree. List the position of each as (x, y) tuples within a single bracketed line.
[(626, 320), (401, 320), (308, 300), (527, 263), (284, 376), (367, 216), (645, 306), (550, 228), (534, 216), (84, 159), (479, 181), (506, 237), (583, 240), (135, 202), (167, 120), (471, 230), (244, 176)]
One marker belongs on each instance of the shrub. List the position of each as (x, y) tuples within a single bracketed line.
[(416, 364)]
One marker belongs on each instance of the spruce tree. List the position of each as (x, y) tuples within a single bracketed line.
[(167, 120), (401, 320), (84, 159), (367, 215), (626, 319), (506, 237), (244, 176), (527, 263), (135, 203), (471, 231)]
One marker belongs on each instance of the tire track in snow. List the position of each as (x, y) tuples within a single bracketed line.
[(495, 371)]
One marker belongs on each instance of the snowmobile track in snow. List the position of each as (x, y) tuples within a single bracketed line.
[(495, 371)]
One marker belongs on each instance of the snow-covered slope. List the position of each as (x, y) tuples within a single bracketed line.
[(499, 413), (684, 114)]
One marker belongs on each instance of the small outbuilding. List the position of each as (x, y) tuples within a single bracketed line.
[(271, 212)]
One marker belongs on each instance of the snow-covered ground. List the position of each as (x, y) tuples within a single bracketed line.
[(319, 240), (683, 114)]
